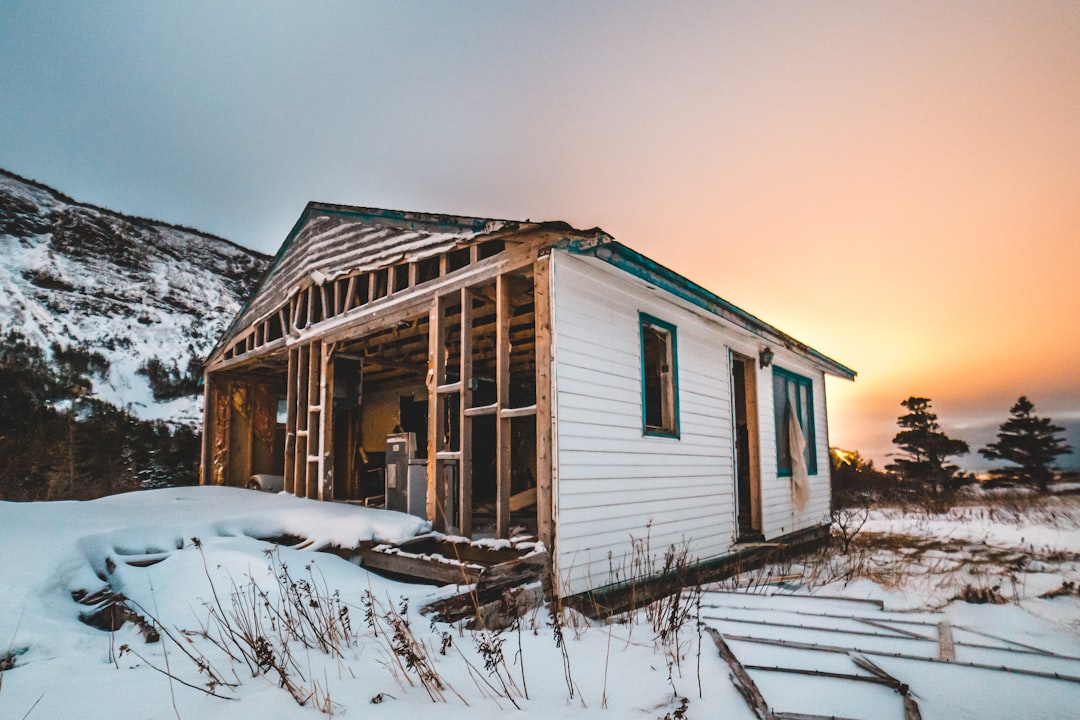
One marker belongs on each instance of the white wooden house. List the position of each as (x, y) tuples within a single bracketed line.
[(492, 375)]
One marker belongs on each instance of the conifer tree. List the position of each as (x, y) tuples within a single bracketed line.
[(926, 450), (1030, 442)]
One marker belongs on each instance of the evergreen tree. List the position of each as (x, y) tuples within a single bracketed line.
[(926, 450), (1030, 442)]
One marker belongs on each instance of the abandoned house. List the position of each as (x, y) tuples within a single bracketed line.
[(504, 377)]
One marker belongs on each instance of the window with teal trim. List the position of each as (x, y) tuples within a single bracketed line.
[(793, 393), (659, 378)]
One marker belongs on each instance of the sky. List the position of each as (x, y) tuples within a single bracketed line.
[(895, 183)]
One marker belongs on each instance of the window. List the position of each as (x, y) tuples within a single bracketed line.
[(793, 393), (659, 378)]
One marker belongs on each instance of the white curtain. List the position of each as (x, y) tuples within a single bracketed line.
[(800, 480)]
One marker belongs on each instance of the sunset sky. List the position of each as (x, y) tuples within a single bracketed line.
[(895, 183)]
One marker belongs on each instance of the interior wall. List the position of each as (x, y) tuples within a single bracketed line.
[(381, 414)]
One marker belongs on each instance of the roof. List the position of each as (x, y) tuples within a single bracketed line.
[(625, 258), (328, 241)]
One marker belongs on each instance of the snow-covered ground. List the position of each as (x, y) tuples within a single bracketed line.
[(186, 558)]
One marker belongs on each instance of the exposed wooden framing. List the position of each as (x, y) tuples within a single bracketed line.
[(296, 307), (350, 294), (482, 410), (314, 425), (326, 425), (465, 372), (301, 412), (503, 311), (523, 499), (510, 413), (436, 490), (290, 422), (542, 329), (207, 434), (406, 306)]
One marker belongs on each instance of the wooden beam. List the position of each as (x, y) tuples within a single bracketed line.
[(523, 499), (503, 310), (326, 425), (741, 679), (405, 306), (465, 436), (436, 487), (510, 413), (299, 410), (445, 573), (207, 430), (314, 352), (545, 519), (290, 423)]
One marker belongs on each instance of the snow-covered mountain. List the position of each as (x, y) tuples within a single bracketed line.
[(129, 289)]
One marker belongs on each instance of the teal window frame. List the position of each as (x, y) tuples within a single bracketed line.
[(804, 410), (646, 323)]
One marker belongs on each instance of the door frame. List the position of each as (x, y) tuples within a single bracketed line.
[(753, 417)]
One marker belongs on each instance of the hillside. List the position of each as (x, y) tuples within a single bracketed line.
[(104, 321), (126, 288)]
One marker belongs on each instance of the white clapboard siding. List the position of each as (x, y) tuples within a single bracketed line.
[(614, 485)]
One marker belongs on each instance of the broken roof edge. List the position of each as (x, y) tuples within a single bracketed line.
[(475, 226), (629, 260)]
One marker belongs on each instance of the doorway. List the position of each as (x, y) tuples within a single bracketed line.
[(747, 457)]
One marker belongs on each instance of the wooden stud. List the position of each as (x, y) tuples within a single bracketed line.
[(407, 306), (290, 423), (326, 428), (350, 294), (298, 410), (545, 521), (206, 475), (465, 435), (313, 424), (436, 487), (503, 310)]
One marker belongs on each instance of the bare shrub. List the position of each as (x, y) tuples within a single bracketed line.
[(847, 522)]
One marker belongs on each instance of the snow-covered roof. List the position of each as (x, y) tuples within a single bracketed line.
[(331, 240)]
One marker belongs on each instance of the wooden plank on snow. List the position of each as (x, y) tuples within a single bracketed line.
[(945, 641), (741, 679)]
